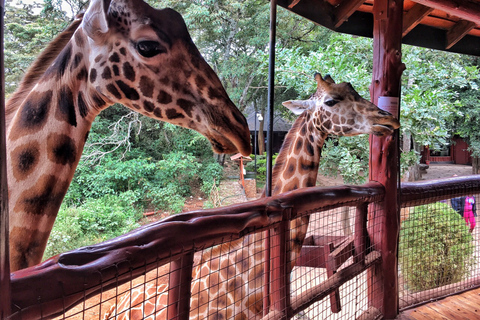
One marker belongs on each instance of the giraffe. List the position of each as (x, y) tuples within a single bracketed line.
[(123, 51), (227, 282)]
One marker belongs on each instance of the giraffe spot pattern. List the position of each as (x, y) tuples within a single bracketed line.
[(34, 112), (66, 108), (28, 242), (123, 51), (93, 75), (128, 71), (82, 106), (77, 59), (61, 149), (64, 60), (214, 93), (129, 92), (82, 74), (107, 73), (114, 58), (173, 114), (97, 99), (148, 106), (157, 113), (113, 90), (79, 39), (186, 106), (25, 159), (200, 82), (116, 71), (163, 97), (146, 87), (44, 198), (310, 149)]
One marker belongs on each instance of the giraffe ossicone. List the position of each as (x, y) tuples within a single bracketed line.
[(124, 51), (228, 281)]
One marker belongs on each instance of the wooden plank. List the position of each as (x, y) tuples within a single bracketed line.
[(460, 309), (5, 294), (465, 10), (384, 217), (458, 31), (414, 314), (413, 17), (447, 310), (345, 10)]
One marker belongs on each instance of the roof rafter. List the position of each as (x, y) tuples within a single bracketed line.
[(413, 17), (462, 9), (458, 31)]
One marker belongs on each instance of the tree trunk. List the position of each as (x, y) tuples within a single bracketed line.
[(261, 139), (475, 165)]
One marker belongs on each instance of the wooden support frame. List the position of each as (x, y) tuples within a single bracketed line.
[(4, 250), (384, 217)]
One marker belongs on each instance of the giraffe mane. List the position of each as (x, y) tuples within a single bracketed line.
[(39, 66)]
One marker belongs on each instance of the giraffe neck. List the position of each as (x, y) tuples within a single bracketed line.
[(297, 163), (45, 139)]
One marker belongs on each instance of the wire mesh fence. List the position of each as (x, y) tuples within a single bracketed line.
[(439, 248), (217, 264)]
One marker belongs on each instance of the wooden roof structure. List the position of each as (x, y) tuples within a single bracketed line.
[(449, 25)]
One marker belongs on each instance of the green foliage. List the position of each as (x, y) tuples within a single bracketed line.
[(436, 247), (94, 221), (407, 160), (261, 165), (347, 156)]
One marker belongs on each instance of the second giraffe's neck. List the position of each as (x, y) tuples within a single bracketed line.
[(297, 163), (45, 139)]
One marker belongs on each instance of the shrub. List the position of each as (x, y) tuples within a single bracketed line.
[(436, 247), (95, 221), (261, 165)]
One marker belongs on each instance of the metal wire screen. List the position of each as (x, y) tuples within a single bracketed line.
[(224, 278), (439, 248), (335, 231)]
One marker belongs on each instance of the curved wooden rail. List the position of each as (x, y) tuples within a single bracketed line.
[(429, 191), (59, 283)]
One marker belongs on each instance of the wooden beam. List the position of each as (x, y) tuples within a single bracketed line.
[(345, 10), (466, 10), (458, 31), (413, 17), (5, 287), (384, 217)]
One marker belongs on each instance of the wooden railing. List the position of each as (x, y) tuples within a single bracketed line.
[(79, 274), (59, 283)]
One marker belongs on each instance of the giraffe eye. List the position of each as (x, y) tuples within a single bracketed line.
[(331, 102), (150, 49)]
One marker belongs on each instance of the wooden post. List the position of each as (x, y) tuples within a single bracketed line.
[(384, 157), (179, 293), (4, 252)]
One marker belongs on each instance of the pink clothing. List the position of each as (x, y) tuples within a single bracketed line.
[(468, 212)]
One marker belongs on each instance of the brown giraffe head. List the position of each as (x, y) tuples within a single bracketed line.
[(145, 59), (338, 109)]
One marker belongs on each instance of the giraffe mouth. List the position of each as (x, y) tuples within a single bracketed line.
[(382, 129), (229, 143)]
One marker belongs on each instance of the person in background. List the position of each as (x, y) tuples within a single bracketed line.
[(470, 211)]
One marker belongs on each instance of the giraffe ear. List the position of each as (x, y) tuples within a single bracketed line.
[(95, 22), (298, 106)]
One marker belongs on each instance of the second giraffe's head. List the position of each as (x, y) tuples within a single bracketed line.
[(336, 108), (145, 59)]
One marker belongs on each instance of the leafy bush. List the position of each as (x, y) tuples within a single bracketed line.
[(436, 247), (261, 165), (95, 221)]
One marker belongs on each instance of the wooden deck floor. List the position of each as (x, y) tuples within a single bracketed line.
[(462, 306)]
